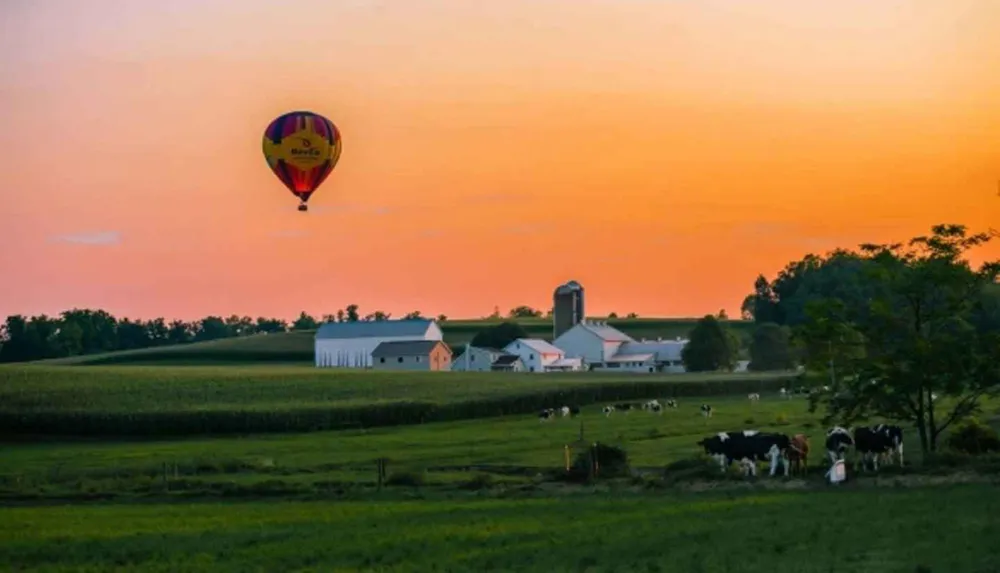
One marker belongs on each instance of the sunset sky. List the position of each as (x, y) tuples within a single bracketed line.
[(660, 152)]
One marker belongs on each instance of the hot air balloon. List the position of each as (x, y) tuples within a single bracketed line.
[(302, 148)]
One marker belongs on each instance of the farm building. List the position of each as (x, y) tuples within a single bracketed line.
[(507, 363), (412, 355), (350, 344), (604, 347), (478, 359), (538, 355)]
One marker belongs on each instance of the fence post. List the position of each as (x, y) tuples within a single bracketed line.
[(566, 452)]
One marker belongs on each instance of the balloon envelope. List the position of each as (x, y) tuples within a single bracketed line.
[(302, 148)]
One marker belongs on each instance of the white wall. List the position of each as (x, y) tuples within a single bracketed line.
[(353, 352), (634, 366), (533, 361), (578, 342)]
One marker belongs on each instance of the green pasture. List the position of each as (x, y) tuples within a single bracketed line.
[(951, 528), (152, 401), (511, 449), (297, 347)]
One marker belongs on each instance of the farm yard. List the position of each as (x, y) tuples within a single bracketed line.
[(297, 346)]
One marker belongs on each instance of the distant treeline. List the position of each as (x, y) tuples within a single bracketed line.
[(85, 331)]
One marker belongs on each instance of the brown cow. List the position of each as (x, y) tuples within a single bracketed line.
[(798, 452)]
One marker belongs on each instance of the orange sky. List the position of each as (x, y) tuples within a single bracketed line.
[(660, 152)]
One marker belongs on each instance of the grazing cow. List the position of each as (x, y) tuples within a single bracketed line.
[(564, 411), (608, 410), (670, 403), (838, 441), (546, 415), (574, 410), (624, 407), (748, 447), (875, 442), (706, 410), (784, 393), (798, 453), (653, 406), (754, 397)]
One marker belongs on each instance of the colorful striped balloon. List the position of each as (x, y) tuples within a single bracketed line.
[(302, 148)]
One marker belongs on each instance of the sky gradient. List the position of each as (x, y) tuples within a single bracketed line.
[(660, 152)]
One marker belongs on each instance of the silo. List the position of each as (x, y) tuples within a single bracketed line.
[(567, 307)]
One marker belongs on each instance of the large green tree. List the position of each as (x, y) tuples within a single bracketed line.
[(499, 335), (771, 348), (711, 346), (922, 346)]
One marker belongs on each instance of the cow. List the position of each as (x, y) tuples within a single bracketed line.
[(574, 410), (798, 453), (564, 411), (706, 410), (784, 393), (653, 406), (624, 407), (608, 410), (753, 397), (748, 447), (883, 440), (838, 441), (546, 415), (670, 403)]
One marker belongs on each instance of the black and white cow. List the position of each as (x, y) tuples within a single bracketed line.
[(653, 406), (670, 403), (838, 441), (706, 410), (753, 397), (872, 443), (608, 410), (623, 407), (748, 447), (546, 415)]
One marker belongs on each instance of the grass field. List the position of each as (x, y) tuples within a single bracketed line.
[(134, 400), (945, 529), (297, 347)]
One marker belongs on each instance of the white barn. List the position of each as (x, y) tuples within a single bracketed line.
[(604, 347), (538, 355), (350, 344)]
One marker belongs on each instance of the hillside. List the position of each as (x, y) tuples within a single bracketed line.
[(297, 347)]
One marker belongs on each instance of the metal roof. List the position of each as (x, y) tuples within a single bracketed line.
[(374, 329), (630, 357), (538, 345), (664, 349), (406, 348), (605, 332), (505, 359)]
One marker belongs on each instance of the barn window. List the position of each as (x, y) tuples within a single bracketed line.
[(472, 359), (418, 359), (382, 360), (531, 357), (400, 359)]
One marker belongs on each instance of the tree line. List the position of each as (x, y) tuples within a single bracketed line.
[(87, 331)]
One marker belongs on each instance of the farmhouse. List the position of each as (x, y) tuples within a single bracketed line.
[(350, 344), (538, 355), (412, 355), (507, 363), (604, 347), (476, 359)]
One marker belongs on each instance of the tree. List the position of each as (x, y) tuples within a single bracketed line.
[(711, 347), (377, 316), (412, 315), (132, 334), (499, 335), (631, 315), (524, 312), (351, 314), (918, 338), (180, 332), (722, 315), (305, 322), (612, 315), (771, 348), (212, 328), (442, 318), (272, 325)]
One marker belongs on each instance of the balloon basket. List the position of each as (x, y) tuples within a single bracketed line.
[(303, 207)]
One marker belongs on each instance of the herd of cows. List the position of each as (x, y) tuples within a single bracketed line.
[(872, 444)]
